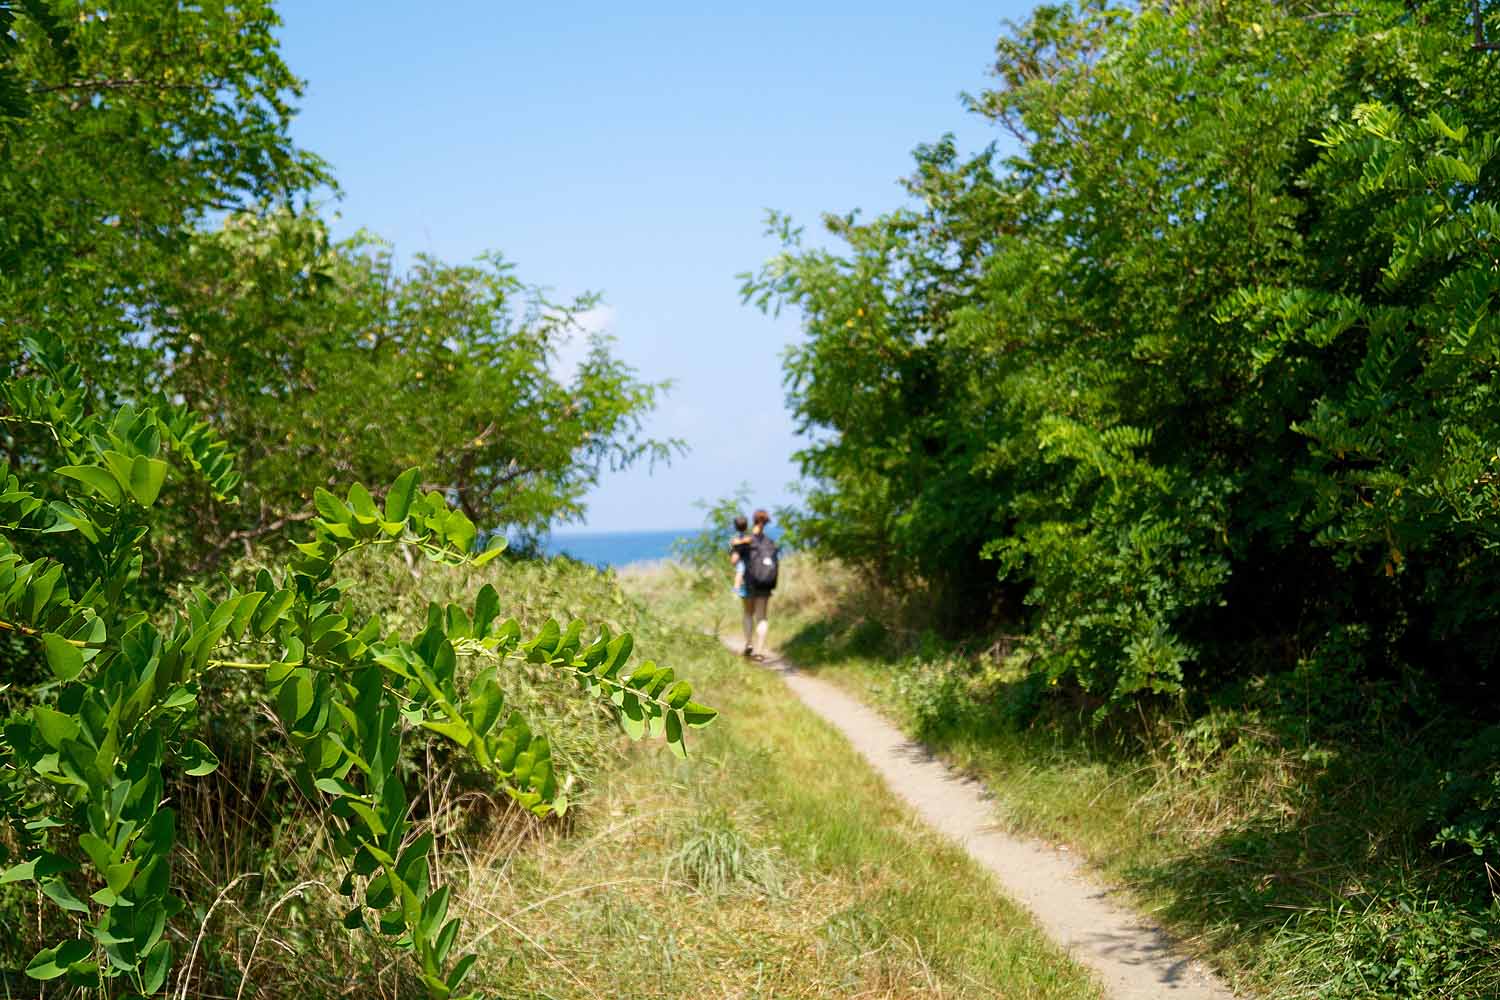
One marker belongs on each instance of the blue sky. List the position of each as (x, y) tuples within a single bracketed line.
[(634, 153)]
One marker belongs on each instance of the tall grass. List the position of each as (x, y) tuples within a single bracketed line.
[(1282, 829), (770, 864)]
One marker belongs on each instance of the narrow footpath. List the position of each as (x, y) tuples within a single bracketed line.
[(1133, 957)]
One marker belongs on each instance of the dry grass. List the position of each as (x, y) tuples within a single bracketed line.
[(772, 863), (1299, 865)]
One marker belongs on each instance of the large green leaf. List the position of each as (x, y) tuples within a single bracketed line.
[(54, 726), (398, 499), (97, 478), (40, 867), (146, 478), (53, 962), (197, 759), (362, 504), (58, 891), (331, 508), (154, 971)]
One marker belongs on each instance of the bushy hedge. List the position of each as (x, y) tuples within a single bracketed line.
[(1203, 373)]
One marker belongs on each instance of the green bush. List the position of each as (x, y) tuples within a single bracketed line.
[(86, 753), (1198, 376), (1467, 812)]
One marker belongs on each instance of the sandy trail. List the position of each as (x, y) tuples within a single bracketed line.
[(1131, 955)]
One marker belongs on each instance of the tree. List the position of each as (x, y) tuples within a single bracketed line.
[(1202, 366), (323, 361), (163, 237), (141, 120)]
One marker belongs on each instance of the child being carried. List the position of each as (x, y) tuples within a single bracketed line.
[(739, 554)]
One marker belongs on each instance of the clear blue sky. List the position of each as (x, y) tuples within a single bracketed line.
[(634, 153)]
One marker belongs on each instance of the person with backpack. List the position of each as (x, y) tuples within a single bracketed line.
[(760, 581)]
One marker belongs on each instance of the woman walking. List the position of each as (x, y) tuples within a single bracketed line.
[(760, 581)]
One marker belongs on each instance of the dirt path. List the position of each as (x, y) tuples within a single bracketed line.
[(1133, 958)]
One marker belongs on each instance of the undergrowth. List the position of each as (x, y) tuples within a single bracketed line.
[(716, 857), (1303, 829), (771, 863)]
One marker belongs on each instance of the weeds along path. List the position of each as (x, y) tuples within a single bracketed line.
[(1133, 958)]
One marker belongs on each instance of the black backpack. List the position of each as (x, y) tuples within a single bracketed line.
[(765, 559)]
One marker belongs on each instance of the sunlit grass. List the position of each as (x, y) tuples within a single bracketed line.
[(772, 863), (1298, 868)]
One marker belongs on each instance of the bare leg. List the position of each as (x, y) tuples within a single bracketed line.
[(749, 622), (762, 626)]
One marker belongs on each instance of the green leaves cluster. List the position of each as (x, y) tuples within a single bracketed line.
[(289, 337), (82, 766), (185, 355), (160, 224), (1204, 365), (35, 16)]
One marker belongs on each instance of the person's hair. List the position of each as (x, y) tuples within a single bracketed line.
[(740, 524), (761, 517)]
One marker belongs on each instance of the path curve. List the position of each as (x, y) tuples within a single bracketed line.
[(1132, 956)]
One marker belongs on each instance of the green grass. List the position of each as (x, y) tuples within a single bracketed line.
[(1282, 832), (771, 863)]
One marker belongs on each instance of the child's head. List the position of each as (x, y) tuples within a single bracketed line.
[(741, 525)]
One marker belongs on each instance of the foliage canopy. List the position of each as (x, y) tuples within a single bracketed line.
[(1204, 366), (161, 227)]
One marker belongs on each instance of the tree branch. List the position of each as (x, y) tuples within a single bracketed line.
[(119, 85)]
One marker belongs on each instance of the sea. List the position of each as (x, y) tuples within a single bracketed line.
[(615, 548)]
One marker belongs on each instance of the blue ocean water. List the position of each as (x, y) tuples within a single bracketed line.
[(615, 548)]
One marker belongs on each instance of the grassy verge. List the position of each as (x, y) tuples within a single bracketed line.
[(1283, 830), (771, 863)]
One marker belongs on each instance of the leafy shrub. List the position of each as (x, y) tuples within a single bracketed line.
[(1406, 947), (85, 756), (1203, 368), (937, 697), (1467, 812)]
